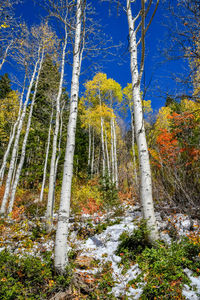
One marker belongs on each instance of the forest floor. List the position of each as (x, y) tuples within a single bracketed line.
[(103, 270)]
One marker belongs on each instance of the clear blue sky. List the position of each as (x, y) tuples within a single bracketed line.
[(158, 73)]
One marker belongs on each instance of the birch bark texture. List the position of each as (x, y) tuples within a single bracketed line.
[(17, 137), (46, 158), (23, 151), (92, 162), (12, 136), (49, 212), (144, 163), (61, 247)]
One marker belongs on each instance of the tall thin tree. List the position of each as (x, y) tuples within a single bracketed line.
[(136, 73), (61, 257)]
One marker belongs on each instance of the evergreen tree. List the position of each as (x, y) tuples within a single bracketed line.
[(5, 86)]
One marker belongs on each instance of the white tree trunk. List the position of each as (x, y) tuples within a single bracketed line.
[(11, 139), (89, 149), (16, 143), (144, 164), (107, 154), (92, 162), (112, 153), (61, 247), (102, 140), (14, 170), (98, 162), (115, 153), (103, 148), (46, 159), (133, 150), (59, 153), (49, 212), (23, 151)]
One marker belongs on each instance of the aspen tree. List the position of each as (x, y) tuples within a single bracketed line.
[(16, 143), (92, 162), (112, 152), (49, 212), (144, 164), (46, 158), (113, 95), (115, 152), (23, 151), (61, 247), (12, 136), (89, 149), (59, 148), (129, 95), (107, 154)]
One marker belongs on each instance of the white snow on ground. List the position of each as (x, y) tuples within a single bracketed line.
[(195, 283), (103, 247)]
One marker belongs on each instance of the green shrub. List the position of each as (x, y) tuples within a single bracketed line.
[(105, 281), (133, 244), (29, 277), (162, 265)]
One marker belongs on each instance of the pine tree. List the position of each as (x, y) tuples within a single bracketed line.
[(5, 86)]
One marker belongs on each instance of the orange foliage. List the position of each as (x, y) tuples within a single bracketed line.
[(168, 146), (91, 206), (172, 144), (126, 196), (17, 213)]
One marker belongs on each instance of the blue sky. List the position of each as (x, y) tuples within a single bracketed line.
[(158, 72)]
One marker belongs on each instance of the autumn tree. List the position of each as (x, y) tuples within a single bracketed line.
[(61, 258), (39, 43), (175, 153), (136, 24)]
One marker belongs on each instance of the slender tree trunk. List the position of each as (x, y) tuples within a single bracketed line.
[(115, 153), (59, 152), (144, 164), (14, 171), (16, 143), (11, 139), (89, 149), (92, 163), (103, 148), (98, 161), (112, 153), (107, 154), (23, 151), (46, 158), (61, 247), (133, 150), (102, 140), (49, 212)]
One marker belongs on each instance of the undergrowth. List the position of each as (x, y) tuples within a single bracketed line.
[(162, 265), (30, 277)]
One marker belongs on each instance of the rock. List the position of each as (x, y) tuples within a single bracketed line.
[(186, 224), (96, 241), (116, 259)]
